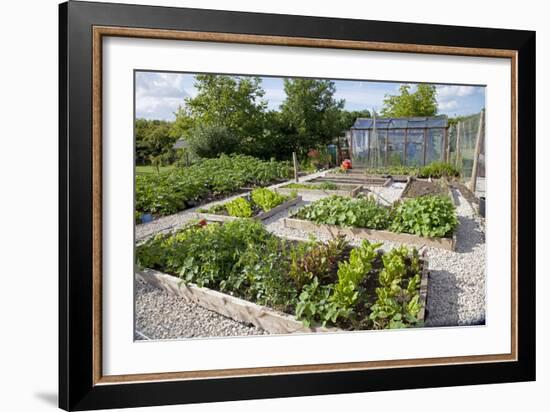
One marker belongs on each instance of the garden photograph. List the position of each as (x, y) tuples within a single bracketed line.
[(282, 205)]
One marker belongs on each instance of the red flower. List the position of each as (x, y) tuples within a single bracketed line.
[(346, 164), (203, 222)]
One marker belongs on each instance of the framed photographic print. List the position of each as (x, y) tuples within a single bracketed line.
[(257, 205)]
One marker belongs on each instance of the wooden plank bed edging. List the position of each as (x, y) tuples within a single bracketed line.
[(247, 312), (212, 217), (371, 234), (229, 306), (365, 180), (319, 192), (423, 291)]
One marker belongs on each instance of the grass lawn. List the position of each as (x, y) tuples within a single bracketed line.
[(148, 170)]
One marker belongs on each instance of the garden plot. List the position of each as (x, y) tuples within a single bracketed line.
[(260, 204), (320, 189), (421, 187), (425, 221), (240, 270), (354, 178), (182, 188), (456, 291)]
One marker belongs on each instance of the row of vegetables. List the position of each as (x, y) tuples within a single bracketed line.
[(331, 284), (259, 200), (429, 216), (167, 193)]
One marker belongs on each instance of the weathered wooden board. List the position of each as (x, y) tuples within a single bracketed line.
[(320, 192), (423, 291), (355, 178), (211, 217), (229, 306), (371, 234)]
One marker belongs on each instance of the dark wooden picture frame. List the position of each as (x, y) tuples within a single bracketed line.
[(82, 27)]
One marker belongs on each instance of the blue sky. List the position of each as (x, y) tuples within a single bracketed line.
[(158, 95)]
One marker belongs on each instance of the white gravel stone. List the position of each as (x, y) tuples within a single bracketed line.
[(160, 315)]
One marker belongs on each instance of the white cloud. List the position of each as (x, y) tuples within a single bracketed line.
[(456, 91), (158, 95), (448, 105)]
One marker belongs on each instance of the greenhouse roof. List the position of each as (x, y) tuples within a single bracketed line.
[(401, 123)]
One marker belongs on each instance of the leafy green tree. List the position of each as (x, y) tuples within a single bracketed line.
[(310, 112), (235, 103), (211, 140), (154, 139), (422, 102), (347, 118)]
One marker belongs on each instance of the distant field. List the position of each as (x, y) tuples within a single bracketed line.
[(148, 170)]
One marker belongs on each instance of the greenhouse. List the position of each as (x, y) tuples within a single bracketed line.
[(409, 141)]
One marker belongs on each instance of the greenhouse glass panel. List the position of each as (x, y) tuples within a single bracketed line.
[(435, 149), (359, 147), (396, 147), (415, 147)]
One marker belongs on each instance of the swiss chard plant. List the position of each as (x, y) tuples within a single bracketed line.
[(397, 304)]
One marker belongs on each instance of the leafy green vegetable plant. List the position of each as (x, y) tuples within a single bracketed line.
[(438, 170), (320, 283), (345, 211), (397, 306), (267, 199), (430, 216), (351, 273), (167, 193), (239, 207)]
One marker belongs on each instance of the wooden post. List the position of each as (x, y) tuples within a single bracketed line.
[(447, 145), (458, 163), (405, 150), (295, 161), (425, 146), (473, 179), (386, 152)]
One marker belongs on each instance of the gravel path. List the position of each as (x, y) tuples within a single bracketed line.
[(160, 315), (456, 290)]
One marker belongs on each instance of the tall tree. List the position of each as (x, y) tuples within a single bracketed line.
[(422, 102), (230, 102), (348, 117), (310, 112), (154, 141)]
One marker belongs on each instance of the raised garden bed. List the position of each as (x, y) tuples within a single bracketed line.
[(241, 310), (355, 178), (371, 234), (427, 220), (224, 212), (313, 188), (242, 271), (232, 307), (416, 188)]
